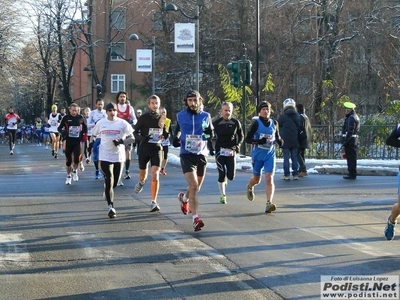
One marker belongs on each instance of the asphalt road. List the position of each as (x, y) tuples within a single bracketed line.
[(56, 241)]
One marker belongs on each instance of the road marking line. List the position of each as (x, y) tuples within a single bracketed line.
[(344, 241), (184, 246), (13, 249)]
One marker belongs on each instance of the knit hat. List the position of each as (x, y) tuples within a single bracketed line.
[(263, 104)]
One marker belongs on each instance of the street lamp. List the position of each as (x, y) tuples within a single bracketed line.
[(173, 7), (98, 86), (135, 37), (114, 53)]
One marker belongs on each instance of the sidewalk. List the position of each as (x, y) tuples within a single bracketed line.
[(366, 167)]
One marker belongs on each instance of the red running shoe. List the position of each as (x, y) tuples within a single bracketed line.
[(197, 224), (184, 205)]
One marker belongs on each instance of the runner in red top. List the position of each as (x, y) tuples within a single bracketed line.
[(125, 111)]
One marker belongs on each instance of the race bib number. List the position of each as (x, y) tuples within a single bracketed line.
[(226, 152), (53, 123), (193, 143), (156, 135), (74, 131), (165, 142), (269, 143)]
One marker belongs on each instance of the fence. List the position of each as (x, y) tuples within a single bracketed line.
[(327, 142)]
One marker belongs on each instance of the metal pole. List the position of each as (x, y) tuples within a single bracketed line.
[(243, 66), (91, 75), (153, 63), (131, 84), (257, 52), (197, 25)]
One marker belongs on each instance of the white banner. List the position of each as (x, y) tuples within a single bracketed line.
[(144, 60), (185, 37)]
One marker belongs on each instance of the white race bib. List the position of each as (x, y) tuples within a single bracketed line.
[(156, 135), (226, 152), (194, 143), (269, 143), (74, 131)]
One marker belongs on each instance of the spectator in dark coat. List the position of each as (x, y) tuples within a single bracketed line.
[(305, 143), (289, 124)]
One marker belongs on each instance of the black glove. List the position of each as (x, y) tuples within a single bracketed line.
[(279, 142), (212, 153), (207, 130), (118, 142), (64, 134), (90, 147), (176, 142), (148, 137), (236, 148), (262, 141), (166, 135)]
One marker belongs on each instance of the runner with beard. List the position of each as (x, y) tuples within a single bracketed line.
[(193, 128), (125, 111)]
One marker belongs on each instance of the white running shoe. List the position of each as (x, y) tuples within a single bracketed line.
[(11, 152), (154, 206), (139, 187), (81, 167), (68, 180), (111, 212), (75, 175)]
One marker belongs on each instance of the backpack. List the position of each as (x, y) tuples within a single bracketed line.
[(393, 138), (302, 130)]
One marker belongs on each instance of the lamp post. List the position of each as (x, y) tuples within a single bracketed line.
[(173, 7), (131, 60), (98, 86), (135, 37)]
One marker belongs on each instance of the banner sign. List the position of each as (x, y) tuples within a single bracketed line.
[(144, 60), (185, 37)]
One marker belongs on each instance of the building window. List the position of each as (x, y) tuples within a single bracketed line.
[(117, 83), (118, 19), (118, 48)]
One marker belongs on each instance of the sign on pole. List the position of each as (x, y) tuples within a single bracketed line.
[(185, 37), (144, 60)]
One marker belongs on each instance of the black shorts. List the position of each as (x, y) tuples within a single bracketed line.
[(149, 154), (194, 163)]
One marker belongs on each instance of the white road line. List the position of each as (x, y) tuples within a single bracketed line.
[(185, 246), (13, 249), (350, 243)]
